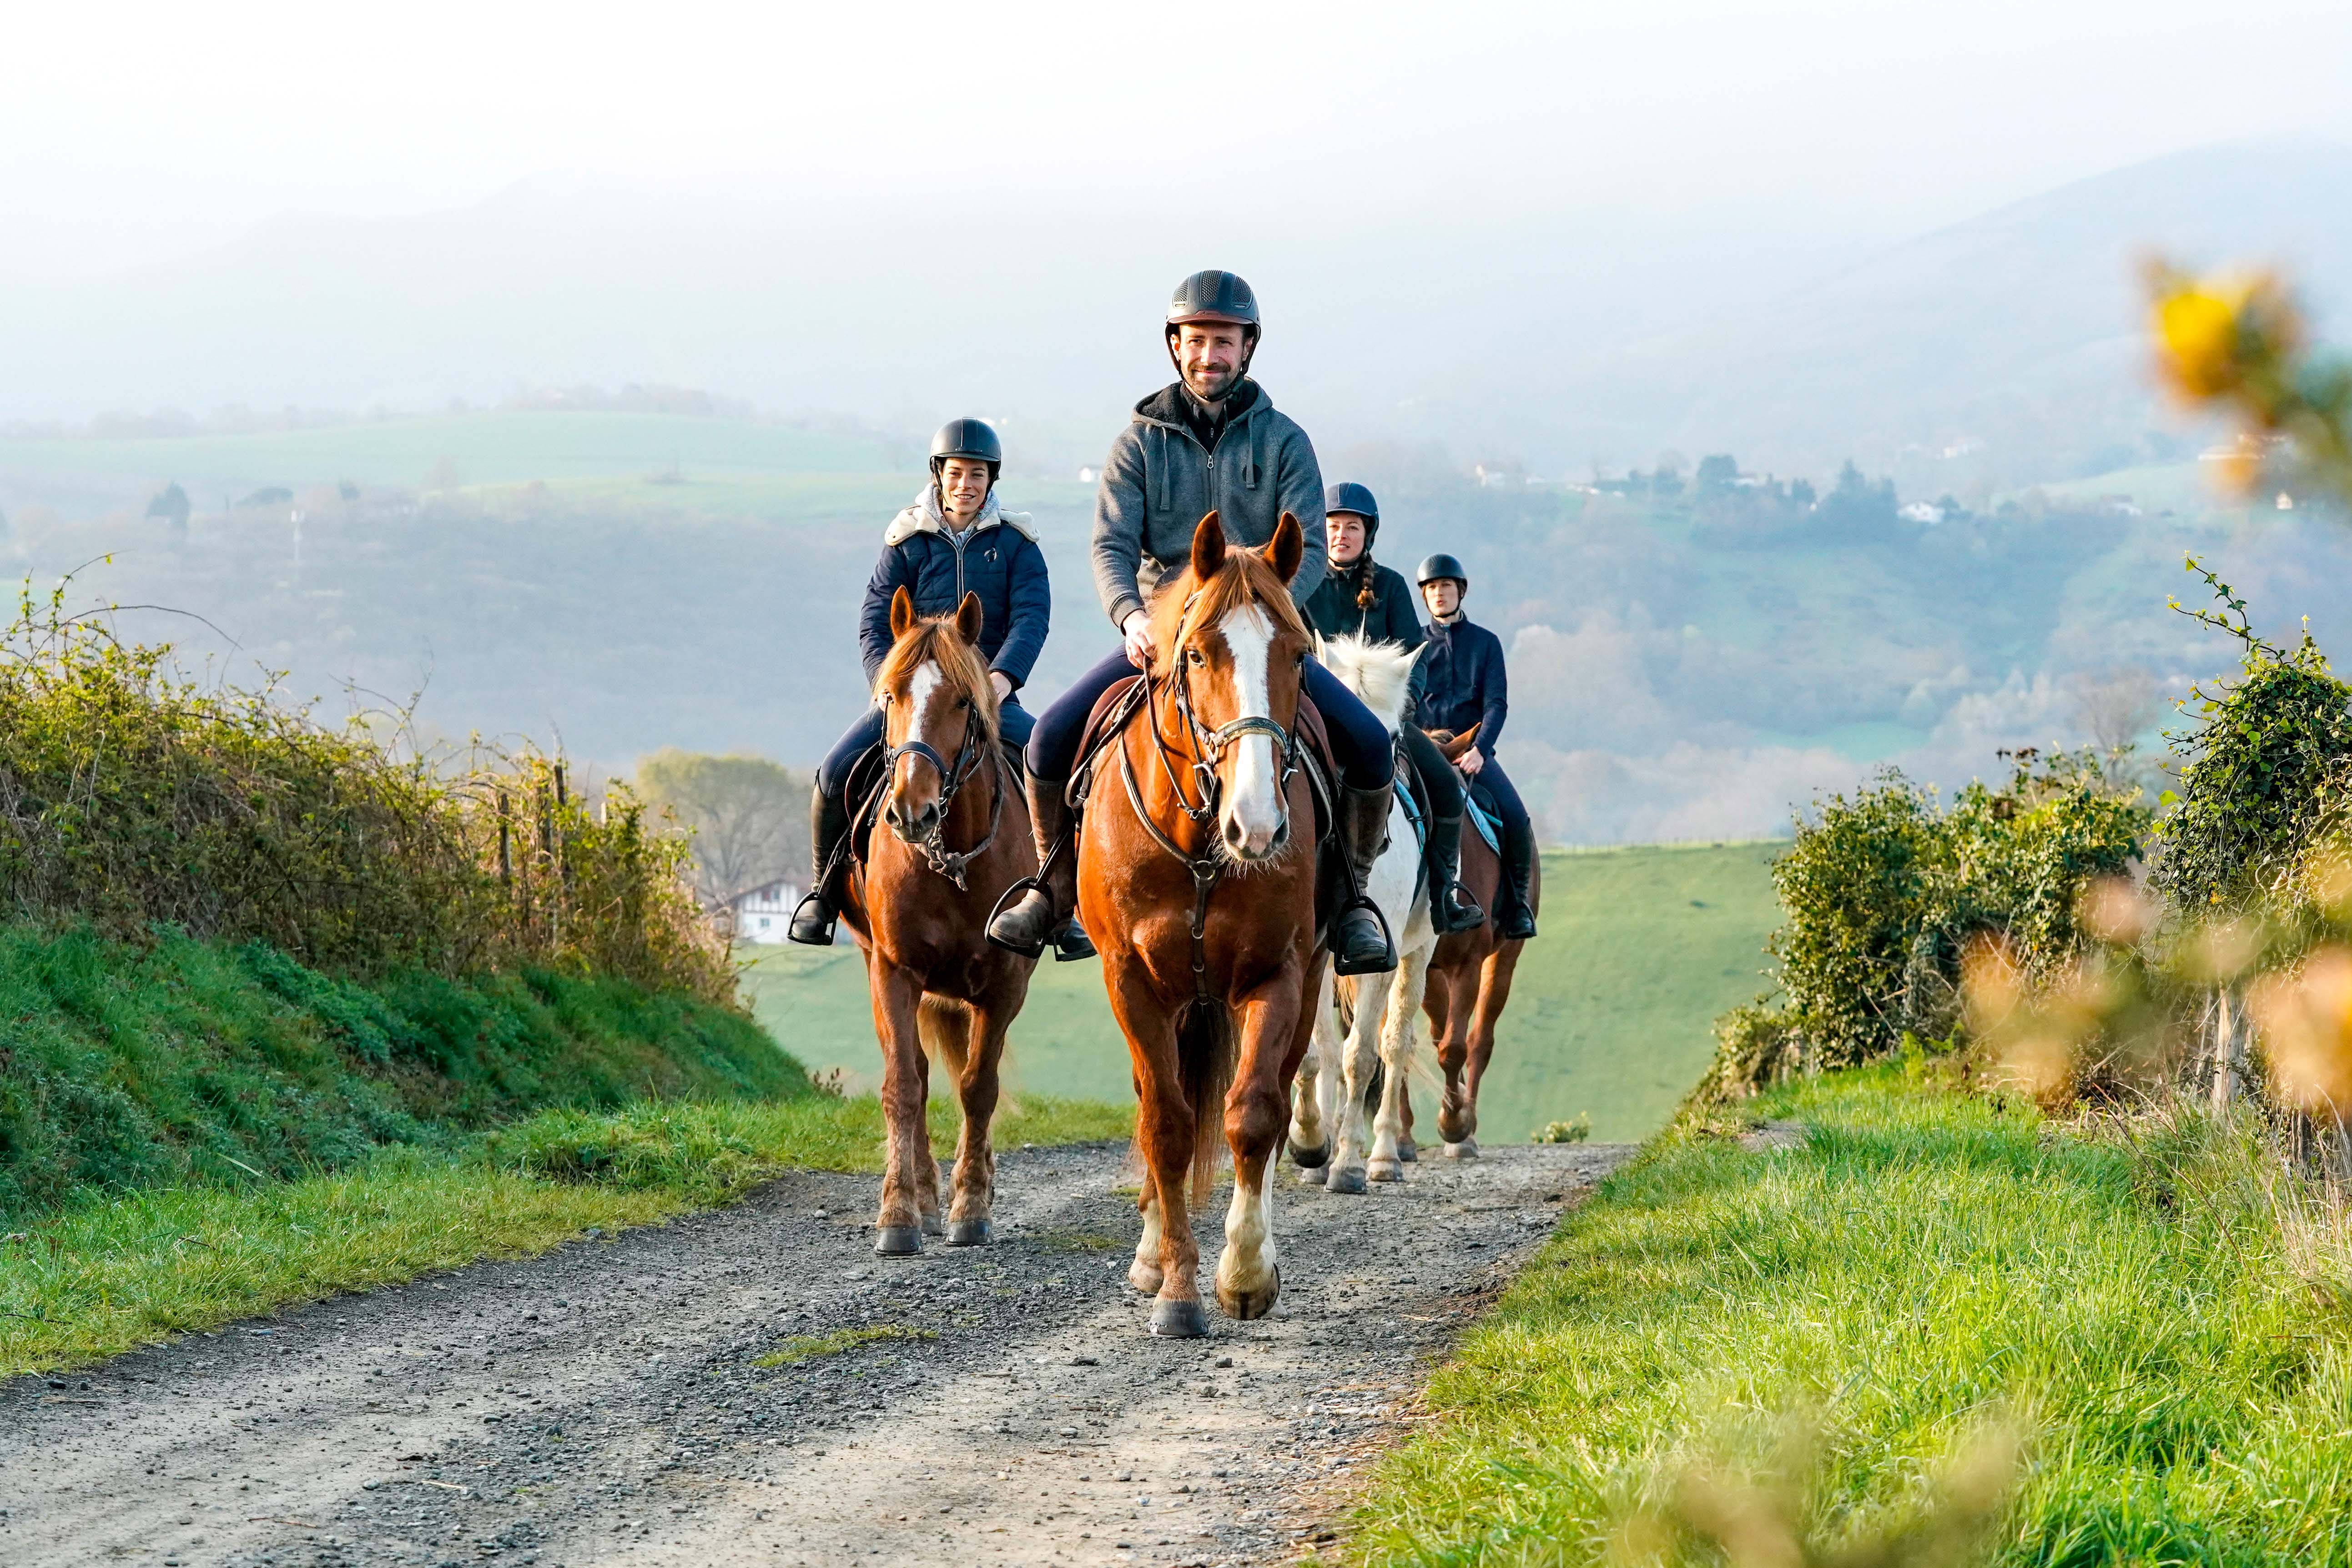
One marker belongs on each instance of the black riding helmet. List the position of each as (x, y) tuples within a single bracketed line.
[(1438, 568), (1215, 295), (968, 438), (1357, 500)]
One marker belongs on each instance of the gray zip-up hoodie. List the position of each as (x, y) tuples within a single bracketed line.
[(1157, 484)]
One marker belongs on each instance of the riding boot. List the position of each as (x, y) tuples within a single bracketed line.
[(813, 921), (1359, 936), (1450, 908), (1052, 895), (1515, 916)]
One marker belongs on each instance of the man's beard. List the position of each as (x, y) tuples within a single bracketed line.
[(1224, 389)]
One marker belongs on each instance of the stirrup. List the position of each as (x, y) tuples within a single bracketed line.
[(1446, 916), (813, 921), (1341, 965), (998, 915)]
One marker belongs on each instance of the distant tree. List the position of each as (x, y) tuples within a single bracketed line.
[(2115, 707), (1800, 493), (749, 815), (1716, 475), (1666, 479), (1855, 507), (171, 504)]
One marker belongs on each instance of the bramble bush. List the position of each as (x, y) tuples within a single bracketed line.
[(131, 798)]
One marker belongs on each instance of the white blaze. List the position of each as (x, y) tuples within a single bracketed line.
[(1253, 793), (920, 686)]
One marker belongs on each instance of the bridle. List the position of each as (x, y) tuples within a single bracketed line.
[(1208, 747), (951, 863)]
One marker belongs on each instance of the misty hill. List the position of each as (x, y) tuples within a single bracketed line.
[(1557, 339), (1689, 660)]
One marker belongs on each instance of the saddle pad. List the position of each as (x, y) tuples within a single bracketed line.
[(1485, 818)]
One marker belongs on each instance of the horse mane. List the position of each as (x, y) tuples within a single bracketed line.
[(935, 641), (1379, 672), (1181, 606)]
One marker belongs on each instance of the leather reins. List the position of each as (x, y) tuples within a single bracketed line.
[(952, 864)]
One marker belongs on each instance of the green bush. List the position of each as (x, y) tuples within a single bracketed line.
[(131, 798), (1881, 894)]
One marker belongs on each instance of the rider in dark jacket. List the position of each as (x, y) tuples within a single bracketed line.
[(952, 540), (1362, 598), (1211, 440), (1460, 681)]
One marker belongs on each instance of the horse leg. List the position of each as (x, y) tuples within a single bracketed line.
[(1275, 1033), (1360, 1054), (1493, 994), (975, 1163), (1309, 1129), (1397, 1024), (926, 1165), (896, 994), (1164, 1133)]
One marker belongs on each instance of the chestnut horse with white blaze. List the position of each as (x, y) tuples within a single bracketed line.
[(1197, 880), (958, 837)]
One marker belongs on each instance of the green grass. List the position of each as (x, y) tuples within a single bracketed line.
[(2136, 1302), (1641, 948), (103, 1275), (809, 1347)]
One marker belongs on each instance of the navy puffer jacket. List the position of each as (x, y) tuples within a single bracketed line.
[(998, 560), (1460, 682)]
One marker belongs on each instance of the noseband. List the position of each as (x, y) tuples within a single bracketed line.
[(951, 863)]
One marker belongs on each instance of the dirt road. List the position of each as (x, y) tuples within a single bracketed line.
[(605, 1403)]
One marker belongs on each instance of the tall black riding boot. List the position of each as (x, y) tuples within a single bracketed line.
[(1450, 908), (828, 825), (1360, 937), (1039, 916), (1514, 918)]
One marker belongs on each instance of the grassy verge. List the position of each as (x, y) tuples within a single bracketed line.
[(99, 1276), (2140, 1304)]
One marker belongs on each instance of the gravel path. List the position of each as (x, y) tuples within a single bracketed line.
[(605, 1403)]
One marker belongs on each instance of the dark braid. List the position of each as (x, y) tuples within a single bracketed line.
[(1364, 578)]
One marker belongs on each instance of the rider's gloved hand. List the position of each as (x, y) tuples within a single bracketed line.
[(1138, 630)]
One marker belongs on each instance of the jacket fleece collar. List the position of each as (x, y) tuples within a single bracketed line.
[(1175, 407), (925, 517)]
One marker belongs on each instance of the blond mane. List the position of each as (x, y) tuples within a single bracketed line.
[(935, 641), (1379, 673), (1181, 606)]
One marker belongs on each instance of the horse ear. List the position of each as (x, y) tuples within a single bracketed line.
[(1208, 548), (968, 619), (1287, 549), (902, 613)]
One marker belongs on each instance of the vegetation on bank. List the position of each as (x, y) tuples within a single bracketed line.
[(103, 1275), (2146, 1311)]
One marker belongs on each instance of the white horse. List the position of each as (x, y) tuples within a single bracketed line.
[(1382, 1011)]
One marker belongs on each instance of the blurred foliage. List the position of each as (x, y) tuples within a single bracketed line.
[(2239, 344)]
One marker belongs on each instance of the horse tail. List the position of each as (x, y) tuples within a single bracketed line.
[(944, 1025), (1204, 1069)]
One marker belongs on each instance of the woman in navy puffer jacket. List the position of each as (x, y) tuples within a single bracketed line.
[(954, 540)]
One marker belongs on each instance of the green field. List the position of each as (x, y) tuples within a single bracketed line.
[(1641, 948)]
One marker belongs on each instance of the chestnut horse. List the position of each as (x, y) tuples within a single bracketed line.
[(959, 836), (1469, 983), (1197, 880)]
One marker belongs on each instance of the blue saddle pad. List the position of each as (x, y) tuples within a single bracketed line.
[(1486, 819)]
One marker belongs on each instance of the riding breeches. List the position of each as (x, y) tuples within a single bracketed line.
[(833, 773), (1519, 833), (1360, 742)]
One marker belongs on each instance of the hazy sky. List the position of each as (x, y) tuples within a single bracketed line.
[(135, 132)]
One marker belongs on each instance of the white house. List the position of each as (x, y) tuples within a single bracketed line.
[(762, 913)]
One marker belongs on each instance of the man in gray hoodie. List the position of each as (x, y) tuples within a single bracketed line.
[(1209, 441)]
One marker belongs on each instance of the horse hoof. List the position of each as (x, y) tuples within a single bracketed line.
[(1467, 1149), (1351, 1180), (1310, 1159), (1385, 1170), (1408, 1151), (934, 1226), (1179, 1320), (968, 1233), (1313, 1175), (898, 1241), (1244, 1305), (1146, 1278)]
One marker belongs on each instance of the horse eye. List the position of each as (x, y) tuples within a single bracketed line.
[(1193, 655), (963, 702)]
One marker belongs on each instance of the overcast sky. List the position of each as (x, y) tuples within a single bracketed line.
[(130, 133)]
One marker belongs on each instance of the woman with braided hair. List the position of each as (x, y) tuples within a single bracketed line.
[(1361, 598)]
